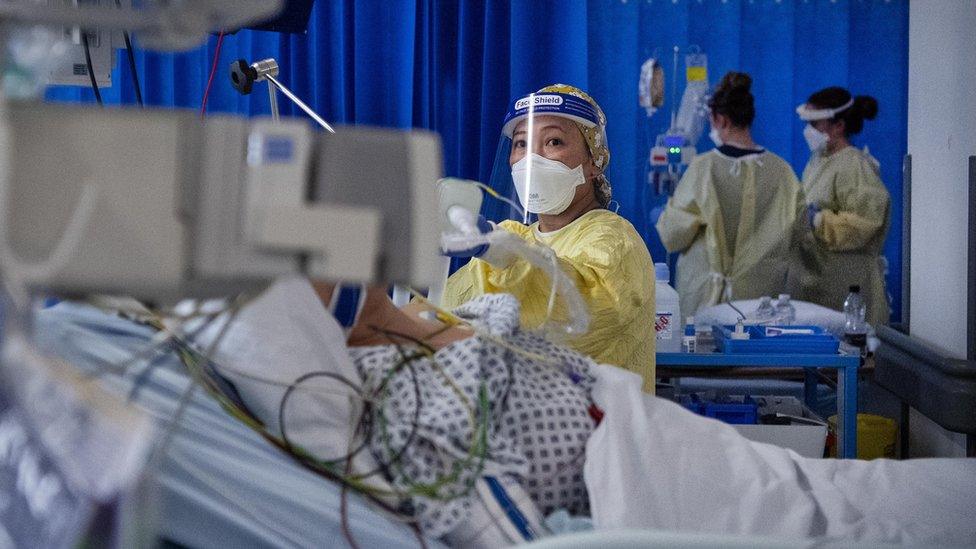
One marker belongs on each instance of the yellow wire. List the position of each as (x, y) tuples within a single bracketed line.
[(456, 321), (493, 193)]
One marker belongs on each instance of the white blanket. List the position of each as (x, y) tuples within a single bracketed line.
[(653, 464)]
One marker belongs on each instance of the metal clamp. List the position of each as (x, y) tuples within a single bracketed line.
[(243, 76)]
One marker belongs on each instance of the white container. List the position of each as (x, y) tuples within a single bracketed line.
[(667, 322)]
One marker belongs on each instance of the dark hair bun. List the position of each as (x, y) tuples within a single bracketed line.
[(732, 98), (866, 106), (735, 82)]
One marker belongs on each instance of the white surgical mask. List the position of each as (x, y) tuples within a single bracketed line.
[(552, 186), (816, 139), (715, 137)]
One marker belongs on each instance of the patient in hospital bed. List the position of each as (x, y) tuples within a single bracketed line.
[(648, 463), (449, 405)]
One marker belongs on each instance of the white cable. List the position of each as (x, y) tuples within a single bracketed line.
[(554, 286), (492, 193)]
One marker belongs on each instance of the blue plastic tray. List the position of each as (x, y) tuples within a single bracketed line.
[(820, 342), (724, 409)]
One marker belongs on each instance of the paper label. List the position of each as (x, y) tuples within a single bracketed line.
[(664, 325), (696, 74)]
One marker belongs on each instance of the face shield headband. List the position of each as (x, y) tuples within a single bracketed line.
[(549, 103), (809, 115), (584, 114)]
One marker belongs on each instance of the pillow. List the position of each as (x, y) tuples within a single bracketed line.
[(274, 340), (806, 314)]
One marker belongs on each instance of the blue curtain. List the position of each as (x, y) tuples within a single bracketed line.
[(454, 65)]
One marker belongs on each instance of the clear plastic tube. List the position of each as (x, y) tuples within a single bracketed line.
[(542, 258)]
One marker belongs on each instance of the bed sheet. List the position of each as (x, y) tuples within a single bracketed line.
[(652, 464), (220, 484)]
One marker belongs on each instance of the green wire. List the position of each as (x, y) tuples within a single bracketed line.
[(438, 489), (478, 449)]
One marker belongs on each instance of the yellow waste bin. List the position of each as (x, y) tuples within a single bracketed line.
[(875, 436)]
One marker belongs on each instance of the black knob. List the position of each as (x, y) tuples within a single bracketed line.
[(242, 76)]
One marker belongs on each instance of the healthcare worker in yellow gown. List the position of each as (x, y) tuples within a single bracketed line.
[(558, 157), (849, 206), (736, 216)]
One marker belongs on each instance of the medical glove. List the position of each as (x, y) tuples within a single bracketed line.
[(484, 227)]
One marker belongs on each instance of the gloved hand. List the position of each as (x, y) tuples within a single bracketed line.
[(484, 227), (812, 211)]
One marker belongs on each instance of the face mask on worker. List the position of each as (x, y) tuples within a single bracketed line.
[(816, 139), (546, 186), (715, 137)]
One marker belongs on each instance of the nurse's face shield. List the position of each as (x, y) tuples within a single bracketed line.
[(810, 113), (544, 124)]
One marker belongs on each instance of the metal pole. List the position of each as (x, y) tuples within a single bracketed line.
[(273, 98), (847, 412), (674, 89), (301, 104)]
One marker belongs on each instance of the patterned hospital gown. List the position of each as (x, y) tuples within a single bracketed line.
[(539, 419)]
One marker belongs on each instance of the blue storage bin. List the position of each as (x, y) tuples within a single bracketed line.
[(744, 410), (740, 413), (818, 343)]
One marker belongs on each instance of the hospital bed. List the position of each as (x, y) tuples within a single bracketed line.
[(220, 484)]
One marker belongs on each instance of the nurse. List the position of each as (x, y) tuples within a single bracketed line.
[(849, 206), (736, 217), (556, 146)]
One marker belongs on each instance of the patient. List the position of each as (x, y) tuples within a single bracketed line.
[(648, 463), (379, 316), (493, 400)]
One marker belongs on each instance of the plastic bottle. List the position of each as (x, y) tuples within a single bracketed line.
[(689, 341), (765, 312), (855, 327), (785, 312), (668, 312)]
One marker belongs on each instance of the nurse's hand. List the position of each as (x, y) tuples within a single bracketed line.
[(484, 227)]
